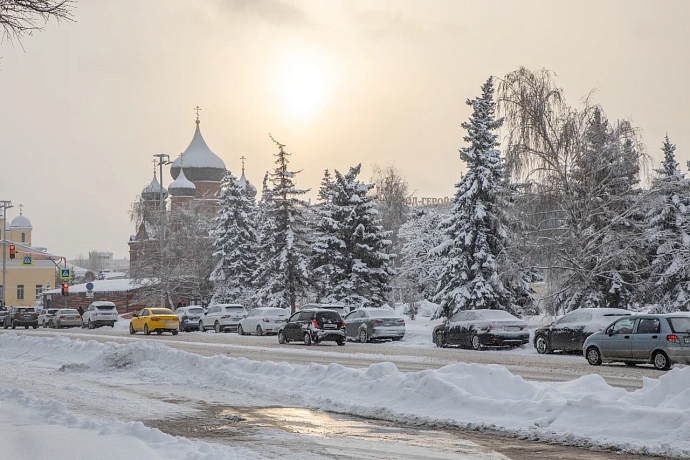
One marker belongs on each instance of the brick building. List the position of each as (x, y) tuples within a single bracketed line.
[(121, 292)]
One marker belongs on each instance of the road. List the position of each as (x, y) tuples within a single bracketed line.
[(304, 433), (524, 362)]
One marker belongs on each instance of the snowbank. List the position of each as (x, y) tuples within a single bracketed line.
[(585, 412), (58, 434)]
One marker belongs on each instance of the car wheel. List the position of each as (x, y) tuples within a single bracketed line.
[(542, 345), (26, 327), (363, 336), (661, 361), (216, 327), (146, 329), (175, 332), (35, 326), (259, 331), (341, 342), (307, 339), (240, 331), (440, 343), (131, 329), (594, 356), (281, 338), (476, 344)]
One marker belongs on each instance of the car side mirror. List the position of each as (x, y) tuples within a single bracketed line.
[(609, 333)]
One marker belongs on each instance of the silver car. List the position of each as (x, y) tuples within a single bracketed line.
[(657, 339), (67, 317), (45, 315), (263, 321), (368, 324), (189, 317)]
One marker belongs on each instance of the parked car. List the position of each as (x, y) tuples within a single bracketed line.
[(189, 317), (3, 312), (45, 315), (67, 317), (569, 332), (657, 339), (313, 326), (222, 317), (99, 314), (21, 316), (155, 319), (262, 321), (481, 328), (368, 324)]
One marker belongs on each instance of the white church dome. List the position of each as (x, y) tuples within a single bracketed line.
[(20, 223)]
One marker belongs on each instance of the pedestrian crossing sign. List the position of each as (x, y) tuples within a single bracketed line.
[(27, 261), (65, 273)]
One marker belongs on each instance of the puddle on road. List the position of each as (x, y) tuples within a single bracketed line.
[(227, 424)]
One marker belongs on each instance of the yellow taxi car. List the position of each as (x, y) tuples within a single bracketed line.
[(155, 319)]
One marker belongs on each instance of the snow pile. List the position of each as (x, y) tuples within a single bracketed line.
[(58, 434), (585, 412)]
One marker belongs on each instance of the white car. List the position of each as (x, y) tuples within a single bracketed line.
[(222, 317), (45, 315), (189, 317), (99, 314), (262, 321)]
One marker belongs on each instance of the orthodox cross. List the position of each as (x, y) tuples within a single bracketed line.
[(154, 167), (180, 155), (197, 108), (21, 209), (243, 158)]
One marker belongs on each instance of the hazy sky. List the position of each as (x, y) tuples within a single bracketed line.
[(86, 104)]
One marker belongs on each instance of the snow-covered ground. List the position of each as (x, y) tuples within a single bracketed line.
[(586, 411)]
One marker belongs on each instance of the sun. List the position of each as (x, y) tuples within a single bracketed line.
[(303, 84)]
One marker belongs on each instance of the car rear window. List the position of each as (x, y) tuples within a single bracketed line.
[(327, 315), (196, 310), (275, 312), (383, 314), (51, 312), (680, 325), (497, 314), (69, 312), (234, 309), (106, 307), (25, 310), (162, 311)]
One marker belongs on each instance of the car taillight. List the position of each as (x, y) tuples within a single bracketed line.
[(401, 321), (377, 321), (155, 319), (673, 338), (16, 314), (489, 326), (522, 328), (225, 317), (342, 323), (315, 323), (184, 318), (78, 316), (63, 317), (176, 320), (36, 314), (265, 320)]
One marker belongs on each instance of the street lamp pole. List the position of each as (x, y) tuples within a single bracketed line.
[(5, 205), (163, 159)]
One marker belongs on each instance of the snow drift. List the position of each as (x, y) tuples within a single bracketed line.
[(585, 412)]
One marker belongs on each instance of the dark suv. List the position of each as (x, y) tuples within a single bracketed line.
[(21, 316), (313, 326)]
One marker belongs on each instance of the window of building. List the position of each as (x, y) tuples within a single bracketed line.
[(39, 291), (23, 237), (20, 292)]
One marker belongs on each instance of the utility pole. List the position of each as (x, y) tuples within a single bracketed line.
[(5, 205), (163, 159)]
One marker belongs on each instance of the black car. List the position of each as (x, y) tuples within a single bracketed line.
[(21, 316), (481, 328), (570, 331), (313, 326)]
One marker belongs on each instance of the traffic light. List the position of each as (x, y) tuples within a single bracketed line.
[(65, 289), (13, 251)]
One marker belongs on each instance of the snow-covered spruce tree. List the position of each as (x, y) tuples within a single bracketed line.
[(667, 227), (235, 244), (605, 225), (474, 234), (282, 276), (350, 252)]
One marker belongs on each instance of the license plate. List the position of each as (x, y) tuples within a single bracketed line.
[(686, 339), (279, 321), (330, 326), (167, 320), (512, 328)]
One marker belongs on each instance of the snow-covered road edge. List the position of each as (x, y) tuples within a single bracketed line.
[(585, 412)]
